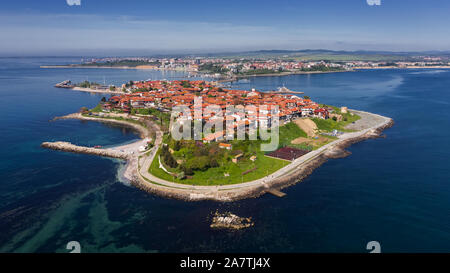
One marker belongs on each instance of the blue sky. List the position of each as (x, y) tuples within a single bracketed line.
[(112, 27)]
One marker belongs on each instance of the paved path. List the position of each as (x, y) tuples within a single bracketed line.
[(145, 162)]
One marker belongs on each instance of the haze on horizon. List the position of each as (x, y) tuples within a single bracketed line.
[(112, 27)]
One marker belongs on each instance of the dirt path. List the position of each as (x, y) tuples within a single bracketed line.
[(308, 126)]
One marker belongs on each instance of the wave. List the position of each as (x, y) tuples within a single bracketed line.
[(120, 174), (429, 72)]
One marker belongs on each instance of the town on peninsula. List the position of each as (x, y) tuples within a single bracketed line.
[(218, 165)]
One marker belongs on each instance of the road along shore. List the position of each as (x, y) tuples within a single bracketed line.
[(138, 163), (284, 177)]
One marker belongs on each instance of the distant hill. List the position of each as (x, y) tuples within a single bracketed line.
[(332, 55)]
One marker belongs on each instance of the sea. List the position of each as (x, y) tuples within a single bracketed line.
[(393, 190)]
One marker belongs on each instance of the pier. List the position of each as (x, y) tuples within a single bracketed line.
[(69, 147), (65, 84), (276, 192), (285, 90)]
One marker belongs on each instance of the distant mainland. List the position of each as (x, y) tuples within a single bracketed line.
[(229, 67)]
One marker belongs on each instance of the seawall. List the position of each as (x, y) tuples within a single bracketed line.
[(293, 174), (69, 147)]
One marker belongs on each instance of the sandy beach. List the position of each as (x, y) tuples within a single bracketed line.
[(369, 126), (102, 91)]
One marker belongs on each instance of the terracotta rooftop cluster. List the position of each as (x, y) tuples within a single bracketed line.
[(167, 94)]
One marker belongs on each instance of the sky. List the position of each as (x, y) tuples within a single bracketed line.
[(146, 27)]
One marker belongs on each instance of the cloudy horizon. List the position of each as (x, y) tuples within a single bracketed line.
[(111, 27)]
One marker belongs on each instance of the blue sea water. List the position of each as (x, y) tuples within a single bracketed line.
[(394, 190)]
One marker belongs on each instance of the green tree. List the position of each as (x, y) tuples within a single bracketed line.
[(83, 109)]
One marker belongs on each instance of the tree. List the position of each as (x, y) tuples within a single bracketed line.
[(199, 163), (186, 170), (85, 84), (186, 84), (168, 157), (213, 163), (177, 145), (83, 109)]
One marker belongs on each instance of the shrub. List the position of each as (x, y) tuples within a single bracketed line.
[(213, 163), (168, 158), (187, 171)]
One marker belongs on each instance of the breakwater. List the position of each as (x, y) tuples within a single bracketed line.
[(69, 147), (137, 168)]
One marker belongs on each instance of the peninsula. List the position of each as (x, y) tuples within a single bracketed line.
[(217, 165)]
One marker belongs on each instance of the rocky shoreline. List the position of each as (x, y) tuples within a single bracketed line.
[(338, 151), (230, 194), (141, 129), (226, 193)]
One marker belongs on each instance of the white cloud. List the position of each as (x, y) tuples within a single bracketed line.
[(73, 2), (374, 2)]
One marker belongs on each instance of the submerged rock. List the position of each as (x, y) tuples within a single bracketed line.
[(230, 221)]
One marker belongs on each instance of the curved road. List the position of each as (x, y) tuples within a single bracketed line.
[(145, 162)]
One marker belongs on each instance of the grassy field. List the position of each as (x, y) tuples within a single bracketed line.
[(329, 125), (216, 176), (289, 132), (162, 119), (262, 166)]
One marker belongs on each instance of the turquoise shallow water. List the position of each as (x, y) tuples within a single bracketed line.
[(393, 190)]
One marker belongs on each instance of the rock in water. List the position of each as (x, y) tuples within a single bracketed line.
[(230, 221)]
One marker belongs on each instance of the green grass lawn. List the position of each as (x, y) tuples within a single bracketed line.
[(289, 132), (329, 125), (215, 176), (97, 108), (158, 172)]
